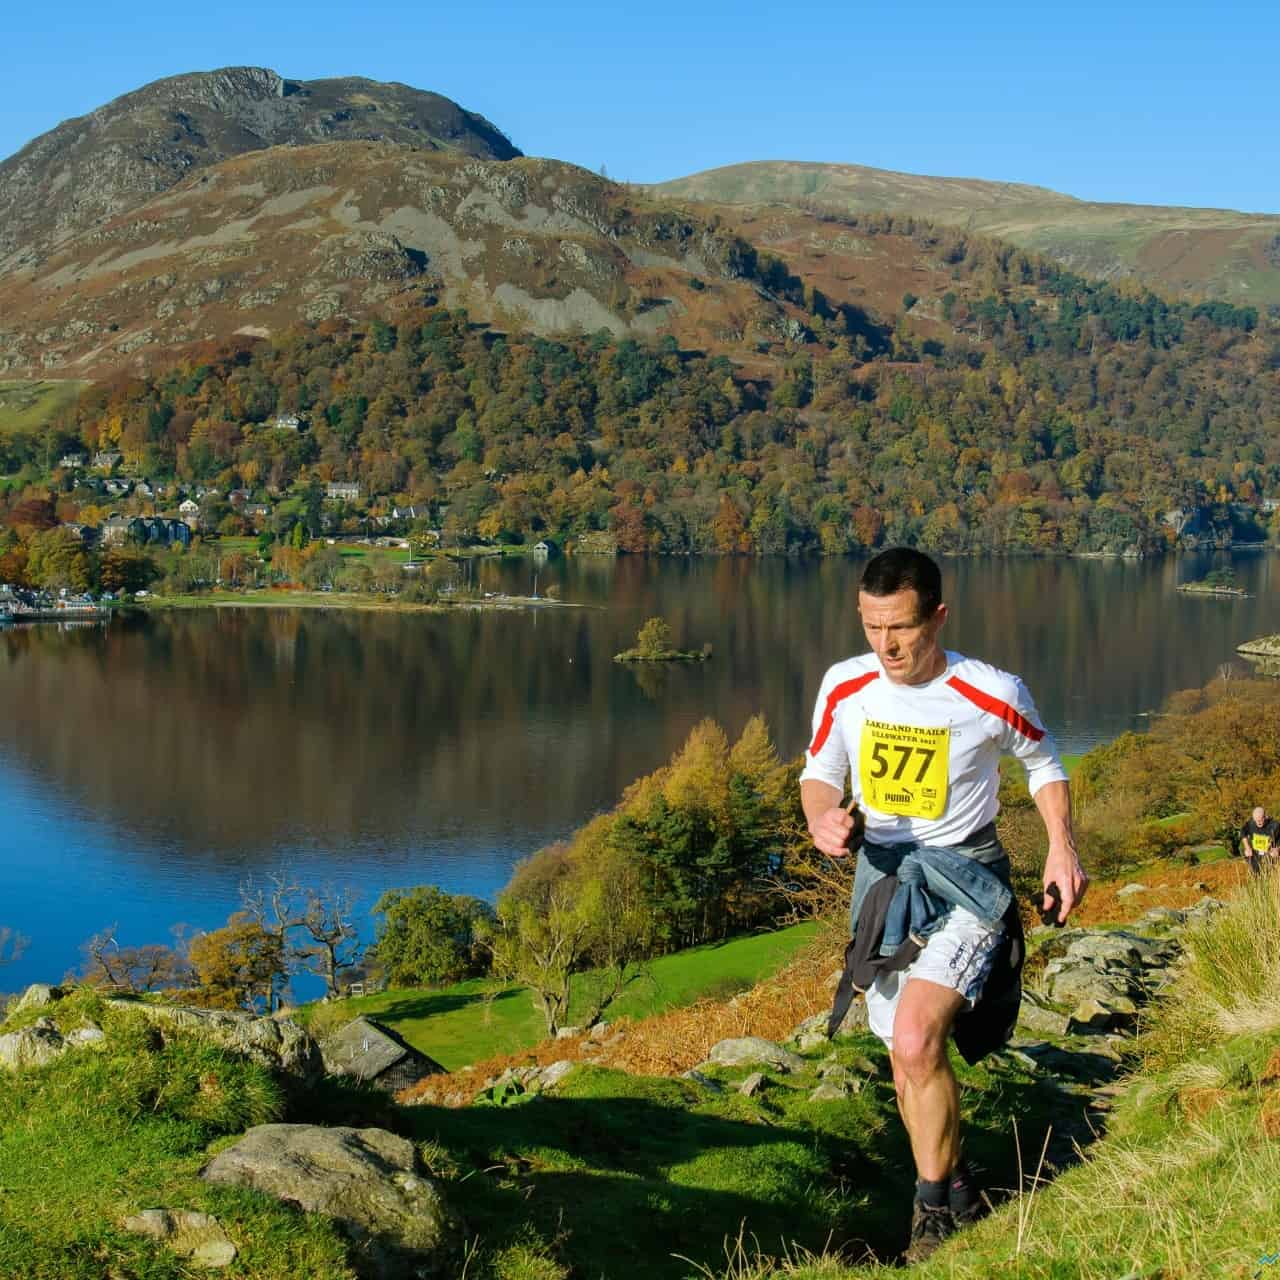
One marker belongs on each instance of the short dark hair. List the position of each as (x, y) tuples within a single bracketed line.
[(904, 569)]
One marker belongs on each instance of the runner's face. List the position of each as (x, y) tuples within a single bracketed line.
[(906, 644)]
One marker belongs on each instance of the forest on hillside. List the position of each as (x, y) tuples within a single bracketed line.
[(1060, 416)]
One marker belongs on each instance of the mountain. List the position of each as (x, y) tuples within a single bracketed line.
[(1209, 252), (88, 169)]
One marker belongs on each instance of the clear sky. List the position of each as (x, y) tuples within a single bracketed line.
[(1168, 103)]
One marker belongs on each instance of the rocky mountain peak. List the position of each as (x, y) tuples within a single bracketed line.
[(96, 166)]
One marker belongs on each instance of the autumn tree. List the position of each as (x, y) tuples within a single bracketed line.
[(653, 640), (240, 966)]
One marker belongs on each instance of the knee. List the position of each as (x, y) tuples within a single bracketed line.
[(919, 1048)]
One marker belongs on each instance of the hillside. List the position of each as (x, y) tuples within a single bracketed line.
[(91, 168), (1209, 252)]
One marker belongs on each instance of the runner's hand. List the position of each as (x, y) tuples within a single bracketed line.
[(1062, 868), (831, 832)]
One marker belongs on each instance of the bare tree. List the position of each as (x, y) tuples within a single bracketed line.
[(151, 967), (334, 944), (329, 944)]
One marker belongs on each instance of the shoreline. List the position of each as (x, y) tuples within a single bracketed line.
[(344, 601)]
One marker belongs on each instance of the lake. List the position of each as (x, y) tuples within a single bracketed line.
[(149, 766)]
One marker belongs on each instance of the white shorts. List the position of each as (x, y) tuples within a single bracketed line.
[(959, 956)]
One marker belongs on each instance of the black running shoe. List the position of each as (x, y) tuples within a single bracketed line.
[(929, 1228)]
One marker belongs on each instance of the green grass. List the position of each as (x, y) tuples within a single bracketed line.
[(470, 1021), (25, 406), (104, 1132), (632, 1176)]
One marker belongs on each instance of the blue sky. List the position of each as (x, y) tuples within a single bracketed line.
[(1160, 104)]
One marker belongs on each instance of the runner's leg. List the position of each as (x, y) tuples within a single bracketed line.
[(928, 1095)]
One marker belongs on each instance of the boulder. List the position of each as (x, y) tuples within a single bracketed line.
[(1130, 889), (553, 1074), (1106, 951), (32, 1046), (568, 1033), (197, 1236), (282, 1046), (37, 995), (710, 1085), (749, 1051), (367, 1180), (1091, 1015), (1044, 1022), (1083, 982), (752, 1084), (829, 1091), (90, 1033)]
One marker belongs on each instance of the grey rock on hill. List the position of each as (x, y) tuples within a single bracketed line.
[(98, 165), (367, 1180)]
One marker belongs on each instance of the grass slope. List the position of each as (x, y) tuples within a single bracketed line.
[(1220, 252), (25, 406), (468, 1021)]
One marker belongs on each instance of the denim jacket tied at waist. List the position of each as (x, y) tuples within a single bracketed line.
[(931, 880)]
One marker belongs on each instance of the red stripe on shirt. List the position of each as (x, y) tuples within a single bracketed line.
[(1003, 710), (834, 698)]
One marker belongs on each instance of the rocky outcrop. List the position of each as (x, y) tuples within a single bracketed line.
[(197, 1236), (281, 1045), (32, 1046), (367, 1180)]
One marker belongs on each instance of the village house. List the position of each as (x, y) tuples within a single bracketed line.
[(1270, 506), (189, 513), (106, 460), (342, 490), (115, 530), (287, 422), (87, 533), (117, 488), (159, 530), (238, 497), (256, 511), (71, 461), (375, 1055), (418, 512)]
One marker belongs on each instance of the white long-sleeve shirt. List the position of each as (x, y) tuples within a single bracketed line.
[(924, 760)]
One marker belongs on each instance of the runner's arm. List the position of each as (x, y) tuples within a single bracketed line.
[(1062, 865), (829, 824)]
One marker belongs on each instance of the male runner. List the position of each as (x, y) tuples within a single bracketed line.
[(1258, 840), (919, 732)]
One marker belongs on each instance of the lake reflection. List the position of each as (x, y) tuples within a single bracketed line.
[(148, 766)]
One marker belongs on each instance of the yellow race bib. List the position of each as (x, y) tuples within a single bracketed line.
[(1260, 843), (904, 768)]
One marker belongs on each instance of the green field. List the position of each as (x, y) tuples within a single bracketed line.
[(469, 1021), (24, 406)]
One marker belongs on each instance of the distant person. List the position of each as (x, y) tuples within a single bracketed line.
[(918, 732), (1260, 840)]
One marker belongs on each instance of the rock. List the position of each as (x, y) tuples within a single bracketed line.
[(829, 1091), (837, 1073), (37, 995), (553, 1074), (1131, 889), (1083, 982), (598, 1031), (752, 1084), (811, 1040), (750, 1050), (197, 1236), (283, 1046), (367, 1180), (1090, 1015), (1106, 951), (1164, 917), (568, 1033), (1044, 1022), (33, 1046), (90, 1033), (712, 1086)]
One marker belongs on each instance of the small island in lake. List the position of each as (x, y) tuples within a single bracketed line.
[(1220, 582), (653, 644)]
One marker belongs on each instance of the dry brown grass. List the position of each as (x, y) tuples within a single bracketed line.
[(668, 1043), (1269, 1113)]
